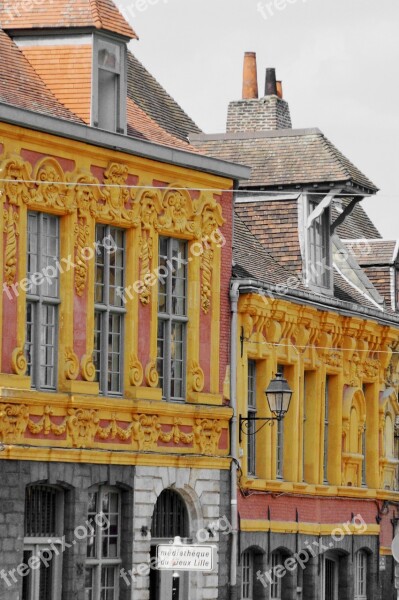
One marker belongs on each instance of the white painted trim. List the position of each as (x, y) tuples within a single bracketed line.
[(358, 289), (54, 40)]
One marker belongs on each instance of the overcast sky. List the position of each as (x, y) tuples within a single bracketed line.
[(338, 60)]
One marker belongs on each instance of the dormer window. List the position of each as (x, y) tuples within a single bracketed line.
[(318, 254), (109, 85)]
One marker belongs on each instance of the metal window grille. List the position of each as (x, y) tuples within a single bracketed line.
[(172, 318), (43, 523), (109, 309), (326, 424), (170, 516), (42, 299), (319, 247), (251, 439), (247, 575), (361, 576), (275, 589), (103, 545)]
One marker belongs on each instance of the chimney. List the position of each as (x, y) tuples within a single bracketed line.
[(253, 114), (271, 84), (250, 77)]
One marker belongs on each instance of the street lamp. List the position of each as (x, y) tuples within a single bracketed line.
[(278, 396)]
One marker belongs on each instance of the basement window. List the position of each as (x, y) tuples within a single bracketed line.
[(109, 85)]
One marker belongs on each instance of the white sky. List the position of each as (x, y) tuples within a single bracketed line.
[(338, 60)]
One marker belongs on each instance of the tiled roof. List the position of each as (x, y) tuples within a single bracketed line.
[(285, 158), (373, 252), (101, 14), (357, 225), (73, 89), (151, 97), (21, 86), (140, 125), (380, 277), (252, 259), (346, 292)]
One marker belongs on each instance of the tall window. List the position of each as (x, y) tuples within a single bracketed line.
[(172, 318), (247, 579), (361, 576), (251, 443), (43, 538), (319, 270), (109, 99), (304, 428), (276, 586), (326, 423), (109, 309), (103, 545), (280, 440), (43, 298)]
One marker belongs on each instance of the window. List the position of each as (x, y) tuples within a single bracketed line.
[(251, 443), (329, 578), (43, 538), (361, 576), (109, 89), (319, 254), (280, 440), (170, 516), (304, 428), (247, 576), (326, 419), (43, 298), (276, 586), (109, 309), (172, 318), (103, 545)]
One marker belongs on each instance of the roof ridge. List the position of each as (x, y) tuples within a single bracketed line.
[(96, 13)]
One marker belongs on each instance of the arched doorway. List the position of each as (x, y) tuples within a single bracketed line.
[(170, 519)]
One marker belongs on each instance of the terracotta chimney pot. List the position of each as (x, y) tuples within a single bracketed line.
[(250, 77), (279, 85)]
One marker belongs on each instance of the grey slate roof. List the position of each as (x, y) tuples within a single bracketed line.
[(285, 157), (151, 97), (357, 225)]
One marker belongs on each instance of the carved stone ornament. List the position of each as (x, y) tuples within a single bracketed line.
[(83, 428), (151, 374), (18, 361), (196, 379), (71, 368), (87, 368), (136, 373)]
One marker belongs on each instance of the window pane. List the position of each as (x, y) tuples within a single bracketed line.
[(176, 354), (251, 440), (48, 345), (29, 348), (40, 511), (89, 588), (109, 55), (108, 583), (161, 353), (108, 101), (97, 344), (92, 511)]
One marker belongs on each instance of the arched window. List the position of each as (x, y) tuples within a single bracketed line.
[(251, 586), (170, 516), (43, 533), (103, 544), (361, 575)]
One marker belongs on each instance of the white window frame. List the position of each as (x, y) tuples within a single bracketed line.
[(361, 565), (247, 575), (96, 564), (335, 561), (54, 545), (316, 277), (41, 299), (169, 318), (105, 311), (121, 82), (276, 586), (251, 414)]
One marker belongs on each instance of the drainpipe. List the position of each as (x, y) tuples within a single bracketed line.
[(234, 296)]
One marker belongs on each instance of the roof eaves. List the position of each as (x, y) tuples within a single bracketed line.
[(116, 141)]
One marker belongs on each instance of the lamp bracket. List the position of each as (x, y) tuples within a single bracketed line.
[(245, 421)]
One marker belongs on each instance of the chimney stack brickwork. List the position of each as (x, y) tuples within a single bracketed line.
[(266, 114)]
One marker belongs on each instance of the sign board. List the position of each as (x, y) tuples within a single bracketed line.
[(178, 557)]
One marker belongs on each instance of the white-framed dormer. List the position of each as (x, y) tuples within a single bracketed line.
[(316, 241), (109, 83)]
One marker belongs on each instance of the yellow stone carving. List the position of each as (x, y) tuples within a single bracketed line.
[(87, 368), (116, 195), (51, 190), (151, 374), (71, 364), (195, 377), (11, 230), (207, 434), (18, 361), (136, 371)]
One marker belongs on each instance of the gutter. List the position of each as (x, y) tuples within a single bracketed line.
[(122, 143)]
